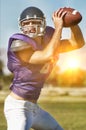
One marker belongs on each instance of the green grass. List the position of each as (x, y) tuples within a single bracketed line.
[(71, 115), (2, 118)]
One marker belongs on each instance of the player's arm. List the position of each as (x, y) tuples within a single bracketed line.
[(46, 54), (76, 40), (50, 50), (77, 37)]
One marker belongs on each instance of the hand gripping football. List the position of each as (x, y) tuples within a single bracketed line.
[(72, 17)]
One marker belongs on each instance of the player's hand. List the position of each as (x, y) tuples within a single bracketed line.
[(57, 18)]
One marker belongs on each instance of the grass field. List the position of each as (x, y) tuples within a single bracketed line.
[(70, 114)]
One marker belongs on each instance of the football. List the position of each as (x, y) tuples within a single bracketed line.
[(72, 17)]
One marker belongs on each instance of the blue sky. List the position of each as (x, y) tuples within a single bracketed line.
[(11, 9)]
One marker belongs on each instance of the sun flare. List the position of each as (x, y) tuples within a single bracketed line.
[(72, 63)]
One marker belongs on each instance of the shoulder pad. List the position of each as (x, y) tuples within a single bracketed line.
[(22, 37), (18, 45)]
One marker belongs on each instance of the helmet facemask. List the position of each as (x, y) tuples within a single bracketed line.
[(33, 27)]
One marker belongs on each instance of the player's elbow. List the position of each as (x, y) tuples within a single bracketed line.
[(81, 43)]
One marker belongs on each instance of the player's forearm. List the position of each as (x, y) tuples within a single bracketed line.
[(46, 55), (77, 36), (54, 43)]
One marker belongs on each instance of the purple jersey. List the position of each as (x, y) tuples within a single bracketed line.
[(28, 78)]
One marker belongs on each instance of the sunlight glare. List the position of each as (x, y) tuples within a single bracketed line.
[(72, 63)]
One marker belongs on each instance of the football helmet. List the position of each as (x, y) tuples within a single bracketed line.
[(32, 22)]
